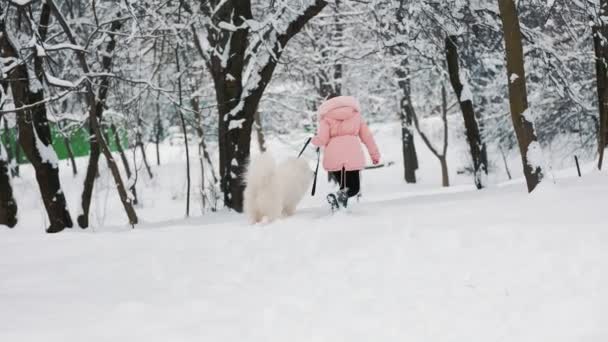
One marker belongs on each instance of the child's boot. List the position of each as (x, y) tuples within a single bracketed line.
[(342, 198), (333, 202)]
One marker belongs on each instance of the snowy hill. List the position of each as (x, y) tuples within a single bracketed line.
[(410, 262)]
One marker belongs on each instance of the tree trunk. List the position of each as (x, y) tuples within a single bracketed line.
[(504, 160), (34, 131), (518, 100), (142, 148), (68, 147), (184, 130), (238, 102), (126, 200), (603, 129), (600, 43), (16, 168), (201, 144), (8, 205), (97, 141), (410, 157), (442, 156), (89, 180), (463, 92), (125, 163), (260, 132), (11, 146), (144, 157), (157, 135), (5, 139), (445, 176)]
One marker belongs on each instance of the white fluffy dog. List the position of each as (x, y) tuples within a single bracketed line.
[(273, 191)]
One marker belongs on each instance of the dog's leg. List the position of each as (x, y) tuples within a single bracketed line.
[(289, 211)]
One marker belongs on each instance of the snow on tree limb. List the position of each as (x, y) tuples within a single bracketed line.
[(22, 3)]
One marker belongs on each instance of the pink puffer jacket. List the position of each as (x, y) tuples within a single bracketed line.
[(341, 130)]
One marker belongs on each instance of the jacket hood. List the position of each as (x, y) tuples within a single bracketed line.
[(340, 108)]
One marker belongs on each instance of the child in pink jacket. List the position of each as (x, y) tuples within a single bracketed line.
[(341, 131)]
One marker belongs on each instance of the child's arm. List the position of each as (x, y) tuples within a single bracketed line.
[(368, 139), (322, 137)]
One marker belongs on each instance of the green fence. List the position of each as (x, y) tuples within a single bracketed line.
[(78, 140)]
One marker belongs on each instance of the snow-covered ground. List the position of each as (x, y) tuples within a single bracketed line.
[(408, 263)]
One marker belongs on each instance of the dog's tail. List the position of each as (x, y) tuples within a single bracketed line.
[(260, 170)]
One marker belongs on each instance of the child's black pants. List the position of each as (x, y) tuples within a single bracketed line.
[(348, 179)]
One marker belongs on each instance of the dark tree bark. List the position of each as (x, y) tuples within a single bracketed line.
[(140, 144), (68, 147), (96, 103), (158, 128), (476, 146), (34, 131), (202, 151), (9, 145), (442, 156), (410, 157), (125, 162), (95, 137), (184, 130), (237, 104), (8, 205), (600, 43), (504, 160), (17, 158), (260, 132), (89, 179), (518, 99), (406, 108)]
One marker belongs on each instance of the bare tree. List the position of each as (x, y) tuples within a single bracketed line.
[(406, 117), (125, 162), (95, 102), (34, 131), (234, 45), (442, 156), (476, 146), (8, 205), (518, 98), (184, 129), (600, 42)]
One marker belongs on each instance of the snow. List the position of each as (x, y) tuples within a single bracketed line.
[(3, 153), (227, 26), (466, 94), (47, 153), (235, 124), (408, 263), (535, 155), (62, 46), (57, 82), (21, 3), (40, 50)]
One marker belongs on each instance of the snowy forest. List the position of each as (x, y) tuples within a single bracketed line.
[(521, 77), (490, 116)]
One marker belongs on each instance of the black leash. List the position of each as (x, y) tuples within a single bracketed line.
[(314, 183), (305, 146)]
